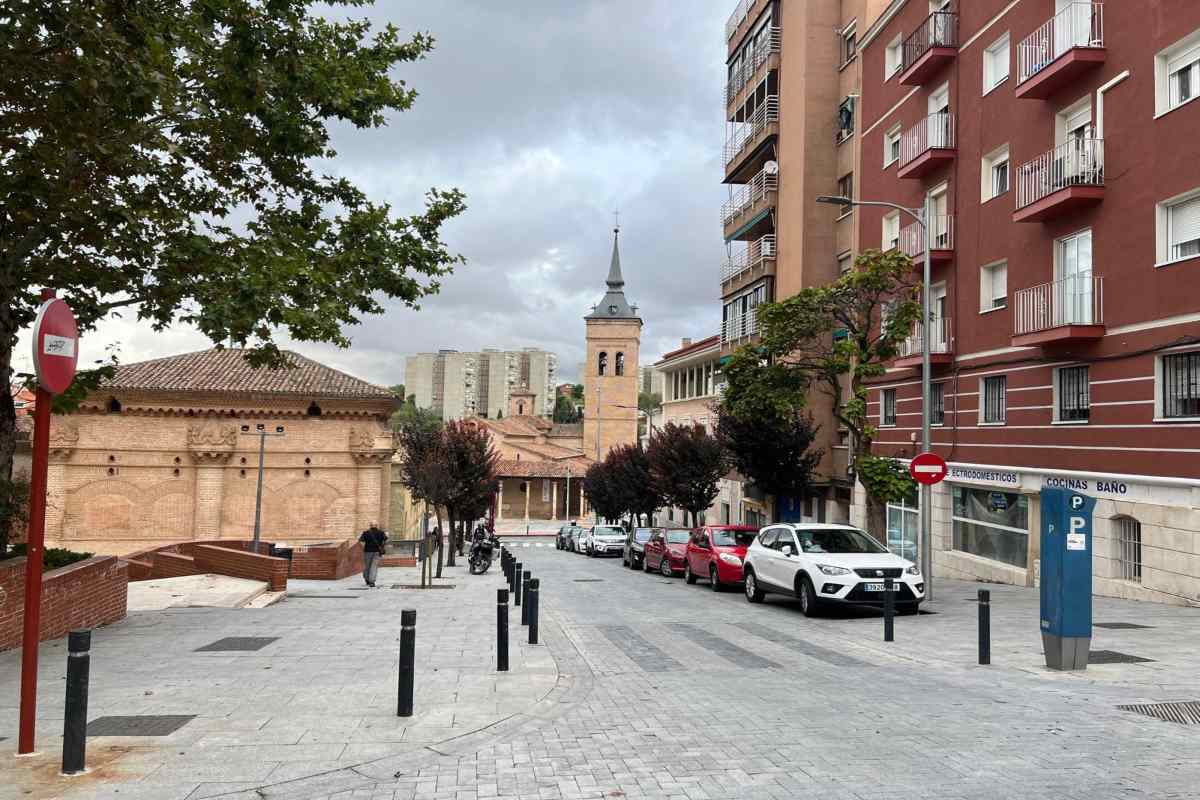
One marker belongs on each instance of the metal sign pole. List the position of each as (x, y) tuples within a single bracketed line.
[(926, 446), (34, 550)]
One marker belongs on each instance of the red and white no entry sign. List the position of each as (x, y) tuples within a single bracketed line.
[(55, 346), (928, 468)]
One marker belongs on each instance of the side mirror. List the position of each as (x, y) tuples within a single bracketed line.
[(787, 550)]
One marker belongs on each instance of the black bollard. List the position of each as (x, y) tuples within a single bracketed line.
[(524, 579), (985, 626), (531, 603), (502, 630), (889, 610), (408, 654), (75, 715), (516, 581)]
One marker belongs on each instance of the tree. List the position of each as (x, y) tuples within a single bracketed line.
[(473, 464), (686, 465), (14, 508), (834, 339), (599, 488), (649, 403), (628, 469), (774, 450), (397, 391), (409, 414), (425, 470), (577, 392), (165, 158), (565, 412)]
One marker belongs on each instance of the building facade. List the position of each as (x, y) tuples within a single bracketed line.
[(791, 105), (1051, 140), (167, 451), (458, 385)]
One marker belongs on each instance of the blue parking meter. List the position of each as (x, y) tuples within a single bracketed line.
[(1066, 578)]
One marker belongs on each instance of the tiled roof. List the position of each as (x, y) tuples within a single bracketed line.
[(525, 425), (225, 370), (703, 344), (548, 451), (542, 469)]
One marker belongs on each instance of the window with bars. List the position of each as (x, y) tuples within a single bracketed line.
[(1129, 548), (993, 394), (1181, 385), (889, 407), (937, 404), (1074, 398)]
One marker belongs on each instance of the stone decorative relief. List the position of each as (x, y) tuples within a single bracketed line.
[(64, 437), (211, 442), (363, 447)]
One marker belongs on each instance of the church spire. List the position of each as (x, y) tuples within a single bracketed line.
[(614, 305), (615, 281)]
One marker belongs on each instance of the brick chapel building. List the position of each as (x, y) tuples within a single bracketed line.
[(167, 451)]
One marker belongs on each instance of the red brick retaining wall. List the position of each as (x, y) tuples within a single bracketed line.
[(331, 561), (82, 595), (241, 564)]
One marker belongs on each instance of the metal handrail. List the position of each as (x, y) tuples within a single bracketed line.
[(745, 198), (939, 339), (1079, 162), (744, 132), (739, 327), (754, 59), (756, 253), (740, 12), (940, 29), (912, 237), (935, 132), (1080, 24), (1077, 300)]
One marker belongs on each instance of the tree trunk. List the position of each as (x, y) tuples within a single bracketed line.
[(876, 518), (8, 413), (453, 525), (441, 538)]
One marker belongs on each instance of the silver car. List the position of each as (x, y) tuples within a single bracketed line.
[(605, 540)]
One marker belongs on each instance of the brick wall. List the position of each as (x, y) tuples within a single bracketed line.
[(331, 561), (83, 595), (240, 564)]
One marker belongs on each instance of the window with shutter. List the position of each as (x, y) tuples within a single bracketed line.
[(1183, 228), (1184, 77)]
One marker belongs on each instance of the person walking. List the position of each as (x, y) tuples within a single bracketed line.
[(374, 542)]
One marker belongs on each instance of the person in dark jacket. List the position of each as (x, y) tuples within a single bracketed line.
[(374, 542)]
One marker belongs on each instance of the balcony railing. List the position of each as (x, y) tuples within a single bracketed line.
[(754, 255), (754, 191), (1077, 163), (935, 132), (1078, 300), (940, 29), (740, 327), (740, 12), (1077, 25), (744, 132), (941, 228), (752, 61), (939, 339)]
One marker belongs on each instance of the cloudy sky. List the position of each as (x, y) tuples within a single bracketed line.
[(548, 114)]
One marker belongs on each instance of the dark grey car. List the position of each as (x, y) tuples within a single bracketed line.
[(635, 541)]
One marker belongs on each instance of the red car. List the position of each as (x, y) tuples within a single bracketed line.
[(716, 552), (665, 551)]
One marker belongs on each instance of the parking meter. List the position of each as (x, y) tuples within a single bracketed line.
[(1066, 578)]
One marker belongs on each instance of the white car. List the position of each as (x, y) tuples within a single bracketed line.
[(604, 540), (822, 564)]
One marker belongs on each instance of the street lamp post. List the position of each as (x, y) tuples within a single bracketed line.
[(923, 218), (261, 432)]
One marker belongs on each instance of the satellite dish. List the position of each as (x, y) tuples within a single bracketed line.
[(771, 167)]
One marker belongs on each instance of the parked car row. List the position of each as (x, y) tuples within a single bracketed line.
[(819, 564)]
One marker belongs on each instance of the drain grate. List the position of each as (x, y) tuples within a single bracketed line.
[(419, 586), (322, 597), (1120, 626), (1186, 712), (145, 725), (589, 580), (1113, 657), (237, 644)]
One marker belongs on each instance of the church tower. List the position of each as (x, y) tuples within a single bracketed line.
[(610, 374)]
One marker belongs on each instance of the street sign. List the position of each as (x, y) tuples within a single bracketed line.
[(55, 346), (928, 468)]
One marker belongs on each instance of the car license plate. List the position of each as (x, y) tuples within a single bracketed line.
[(879, 587)]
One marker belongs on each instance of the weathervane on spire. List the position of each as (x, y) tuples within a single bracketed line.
[(616, 220)]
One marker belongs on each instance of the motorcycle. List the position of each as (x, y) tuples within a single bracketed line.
[(482, 551)]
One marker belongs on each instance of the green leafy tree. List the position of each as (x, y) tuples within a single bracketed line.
[(564, 411), (833, 339), (410, 414), (686, 464), (398, 391), (774, 450), (577, 392), (164, 158), (14, 508)]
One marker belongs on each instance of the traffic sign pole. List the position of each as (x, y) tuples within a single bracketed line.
[(927, 469)]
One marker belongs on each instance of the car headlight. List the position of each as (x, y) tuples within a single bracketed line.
[(913, 570), (730, 558), (828, 570)]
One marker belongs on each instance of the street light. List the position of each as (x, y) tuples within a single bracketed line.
[(922, 217), (261, 432)]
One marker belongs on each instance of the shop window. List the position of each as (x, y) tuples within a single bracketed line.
[(992, 525), (902, 526), (1129, 548)]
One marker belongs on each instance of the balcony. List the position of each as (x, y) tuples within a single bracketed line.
[(756, 260), (1057, 53), (930, 47), (764, 52), (941, 246), (1062, 180), (1067, 310), (746, 136), (740, 12), (746, 214), (926, 146), (941, 352), (737, 329)]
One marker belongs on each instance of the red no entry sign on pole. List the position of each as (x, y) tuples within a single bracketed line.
[(928, 468), (55, 355)]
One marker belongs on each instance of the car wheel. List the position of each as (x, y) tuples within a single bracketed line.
[(688, 577), (664, 566), (808, 597), (908, 609), (714, 582), (753, 593)]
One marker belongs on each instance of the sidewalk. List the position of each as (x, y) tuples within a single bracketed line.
[(319, 696)]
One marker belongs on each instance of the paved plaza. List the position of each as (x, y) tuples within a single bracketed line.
[(643, 687)]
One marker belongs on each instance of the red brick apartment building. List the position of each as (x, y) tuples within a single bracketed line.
[(1058, 143)]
